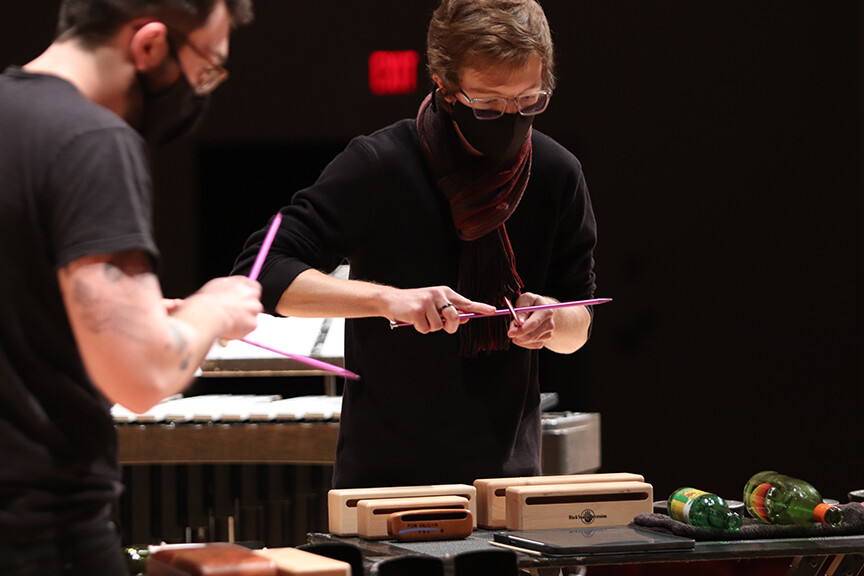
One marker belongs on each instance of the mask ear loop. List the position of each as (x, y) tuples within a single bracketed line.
[(439, 101), (172, 49)]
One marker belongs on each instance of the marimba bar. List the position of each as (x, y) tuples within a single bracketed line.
[(229, 429), (227, 468)]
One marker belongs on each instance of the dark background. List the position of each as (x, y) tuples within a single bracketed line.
[(722, 147)]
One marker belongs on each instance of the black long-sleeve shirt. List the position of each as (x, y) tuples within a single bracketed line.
[(421, 414)]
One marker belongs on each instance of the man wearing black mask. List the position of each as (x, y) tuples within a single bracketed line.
[(458, 210), (84, 323)]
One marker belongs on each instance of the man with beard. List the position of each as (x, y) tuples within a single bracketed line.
[(458, 210), (84, 323)]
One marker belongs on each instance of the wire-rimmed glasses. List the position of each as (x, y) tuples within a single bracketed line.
[(210, 74), (529, 104)]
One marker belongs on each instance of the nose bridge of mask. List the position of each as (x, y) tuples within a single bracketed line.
[(498, 139)]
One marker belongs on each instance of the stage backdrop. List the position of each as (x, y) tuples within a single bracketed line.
[(721, 144)]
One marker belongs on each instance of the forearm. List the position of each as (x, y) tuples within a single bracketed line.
[(223, 308), (571, 329), (164, 368), (563, 330), (314, 294), (135, 352)]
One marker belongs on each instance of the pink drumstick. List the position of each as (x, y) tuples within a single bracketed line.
[(256, 269), (306, 360), (265, 247), (513, 311), (504, 311)]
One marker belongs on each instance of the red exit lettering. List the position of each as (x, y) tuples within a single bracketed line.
[(393, 71)]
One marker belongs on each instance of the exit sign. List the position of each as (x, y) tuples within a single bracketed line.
[(393, 71)]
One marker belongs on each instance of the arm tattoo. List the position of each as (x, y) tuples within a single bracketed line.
[(181, 345), (115, 313)]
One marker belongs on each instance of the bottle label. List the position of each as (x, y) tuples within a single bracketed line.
[(756, 503), (681, 501)]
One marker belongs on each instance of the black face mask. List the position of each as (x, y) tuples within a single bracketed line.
[(170, 113), (498, 139)]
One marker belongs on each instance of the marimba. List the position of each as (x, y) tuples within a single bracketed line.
[(231, 429), (257, 468), (236, 467), (227, 468)]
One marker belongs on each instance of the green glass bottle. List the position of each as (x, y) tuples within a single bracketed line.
[(773, 498), (136, 560), (701, 508)]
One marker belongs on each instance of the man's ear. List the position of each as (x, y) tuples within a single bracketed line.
[(437, 80), (149, 46)]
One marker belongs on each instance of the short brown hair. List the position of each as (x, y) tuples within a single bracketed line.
[(94, 21), (488, 32)]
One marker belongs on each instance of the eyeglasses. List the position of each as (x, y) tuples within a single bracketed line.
[(209, 75), (529, 104)]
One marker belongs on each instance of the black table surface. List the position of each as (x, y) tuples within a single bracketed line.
[(714, 550)]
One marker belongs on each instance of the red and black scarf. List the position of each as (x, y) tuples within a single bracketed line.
[(482, 195)]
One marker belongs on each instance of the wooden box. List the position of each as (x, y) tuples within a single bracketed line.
[(294, 562), (584, 505), (211, 559), (491, 506), (425, 525), (342, 502), (372, 514)]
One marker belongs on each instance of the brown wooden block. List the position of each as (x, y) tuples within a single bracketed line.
[(372, 514), (211, 559), (430, 524)]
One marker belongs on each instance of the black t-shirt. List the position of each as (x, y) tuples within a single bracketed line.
[(74, 181)]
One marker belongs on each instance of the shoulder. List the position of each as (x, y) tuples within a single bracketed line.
[(549, 153), (402, 131), (52, 109), (386, 151), (398, 139), (555, 166)]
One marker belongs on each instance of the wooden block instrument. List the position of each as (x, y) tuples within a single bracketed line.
[(558, 506), (212, 559), (491, 506), (294, 562), (342, 502), (431, 524), (372, 514)]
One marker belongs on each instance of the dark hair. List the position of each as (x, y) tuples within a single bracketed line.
[(488, 33), (94, 21)]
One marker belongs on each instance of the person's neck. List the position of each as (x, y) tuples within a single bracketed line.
[(100, 74)]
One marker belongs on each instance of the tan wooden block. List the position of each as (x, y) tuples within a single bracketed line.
[(491, 502), (558, 506), (294, 562), (342, 502)]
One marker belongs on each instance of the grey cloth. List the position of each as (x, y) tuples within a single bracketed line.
[(754, 530)]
